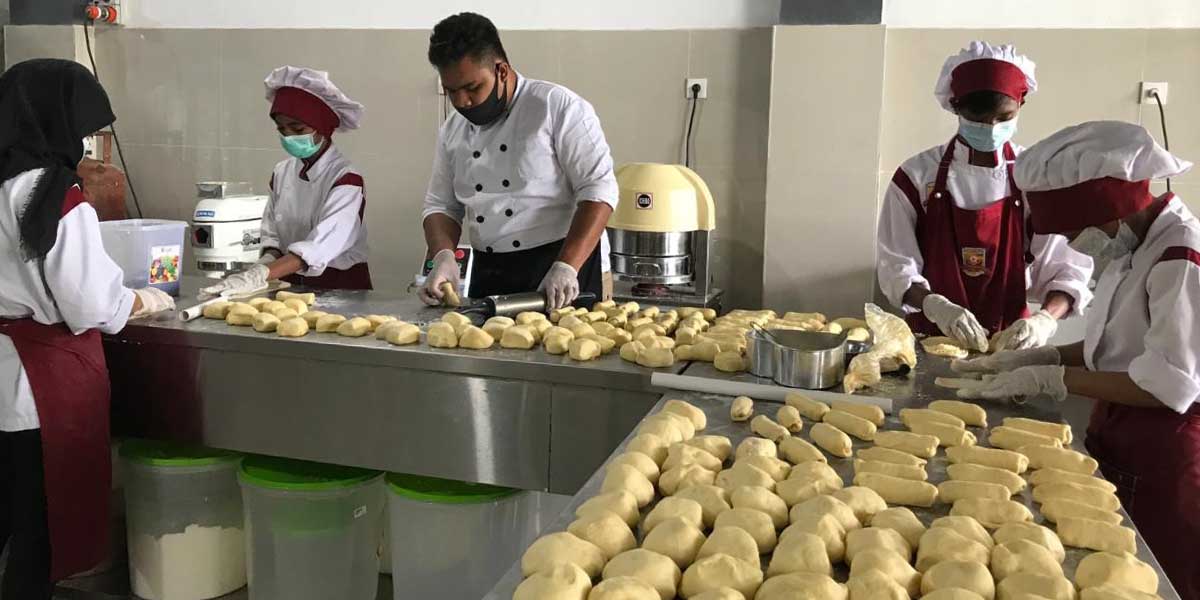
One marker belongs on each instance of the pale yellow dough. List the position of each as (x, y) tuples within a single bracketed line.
[(265, 323), (625, 477), (888, 455), (652, 445), (895, 490), (869, 412), (643, 463), (944, 346), (903, 521), (649, 567), (869, 538), (1022, 585), (851, 424), (924, 446), (292, 328), (619, 502), (967, 575), (763, 425), (297, 305), (762, 500), (356, 327), (311, 317), (562, 548), (989, 457), (721, 571), (676, 539), (674, 480), (607, 531), (1032, 532), (816, 586), (992, 513), (895, 470), (941, 544), (971, 414), (1023, 556), (403, 334), (971, 472), (889, 564), (803, 552), (946, 434), (329, 323), (797, 450), (832, 440), (741, 409), (735, 542), (713, 500), (583, 350), (716, 445), (623, 588), (809, 408), (217, 310), (560, 582), (1124, 570), (1094, 535), (308, 298)]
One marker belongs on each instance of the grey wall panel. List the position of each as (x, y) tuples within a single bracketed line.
[(45, 12), (830, 12)]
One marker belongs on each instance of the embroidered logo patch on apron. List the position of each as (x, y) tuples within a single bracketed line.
[(974, 261)]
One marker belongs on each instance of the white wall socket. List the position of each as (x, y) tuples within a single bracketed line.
[(703, 83), (1148, 87)]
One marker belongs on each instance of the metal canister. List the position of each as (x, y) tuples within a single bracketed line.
[(809, 360), (762, 353)]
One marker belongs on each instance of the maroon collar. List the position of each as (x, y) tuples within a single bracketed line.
[(314, 159)]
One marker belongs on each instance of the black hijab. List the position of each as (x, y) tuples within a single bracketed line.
[(47, 107)]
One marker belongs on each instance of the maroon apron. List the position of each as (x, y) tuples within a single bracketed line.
[(975, 258), (357, 277), (1152, 455), (69, 379)]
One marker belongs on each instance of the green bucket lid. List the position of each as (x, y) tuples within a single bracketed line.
[(170, 454), (445, 491), (298, 475)]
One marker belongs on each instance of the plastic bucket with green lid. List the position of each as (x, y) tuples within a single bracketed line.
[(155, 453), (301, 476), (439, 525)]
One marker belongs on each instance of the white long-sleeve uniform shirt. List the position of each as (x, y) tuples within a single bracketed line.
[(85, 289), (317, 213), (1146, 316), (514, 184), (899, 264)]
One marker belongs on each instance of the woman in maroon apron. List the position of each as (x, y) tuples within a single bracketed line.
[(312, 231), (58, 291), (1140, 358)]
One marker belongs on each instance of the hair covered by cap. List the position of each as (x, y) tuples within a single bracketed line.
[(997, 68)]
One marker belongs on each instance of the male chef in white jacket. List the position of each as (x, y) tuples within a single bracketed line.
[(523, 166)]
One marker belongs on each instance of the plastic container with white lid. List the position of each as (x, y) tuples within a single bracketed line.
[(183, 521), (149, 251), (313, 530), (452, 539)]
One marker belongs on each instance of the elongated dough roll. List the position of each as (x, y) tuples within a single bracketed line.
[(1044, 476), (971, 414), (851, 424), (870, 412), (954, 490), (924, 446), (789, 417), (1057, 508), (992, 513), (1125, 570), (971, 472), (764, 426), (966, 527), (809, 408), (1023, 585), (989, 457), (962, 574), (899, 491), (832, 440), (308, 298), (913, 472), (941, 544), (880, 454), (908, 416), (796, 450), (947, 435), (1038, 534), (1061, 431), (697, 416), (1009, 438), (1090, 496), (741, 409), (1063, 459)]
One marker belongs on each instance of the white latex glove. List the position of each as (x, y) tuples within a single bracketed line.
[(561, 285), (445, 269), (1028, 333), (1009, 360), (254, 278), (1026, 382), (268, 257), (955, 321), (154, 301)]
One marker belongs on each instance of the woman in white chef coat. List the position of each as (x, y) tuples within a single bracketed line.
[(954, 249), (1140, 359), (523, 166), (312, 232), (58, 291)]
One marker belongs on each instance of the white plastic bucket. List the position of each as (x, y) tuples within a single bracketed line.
[(149, 251)]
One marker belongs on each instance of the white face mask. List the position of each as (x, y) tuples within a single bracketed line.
[(1103, 249)]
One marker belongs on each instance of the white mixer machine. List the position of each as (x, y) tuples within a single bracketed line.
[(226, 227)]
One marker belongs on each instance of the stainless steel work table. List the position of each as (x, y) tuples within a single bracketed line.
[(906, 392), (523, 419)]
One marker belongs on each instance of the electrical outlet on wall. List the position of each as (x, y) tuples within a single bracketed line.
[(1148, 90), (107, 12), (702, 94)]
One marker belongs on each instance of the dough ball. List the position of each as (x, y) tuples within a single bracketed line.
[(797, 450), (972, 576), (606, 344), (627, 478), (824, 505), (560, 582), (298, 305), (217, 310), (732, 541), (529, 317), (681, 478), (989, 457), (329, 323), (802, 585), (651, 444), (716, 445), (697, 416), (607, 531), (865, 502), (942, 544), (672, 508), (620, 503), (873, 585), (562, 548), (889, 564), (1022, 585), (309, 298), (969, 472), (286, 313), (817, 472), (676, 539), (713, 501), (643, 463), (851, 424), (356, 327), (903, 521), (730, 362), (1023, 556), (789, 417), (1124, 570), (265, 322), (441, 335), (756, 446), (762, 500), (620, 337), (832, 440), (825, 527), (721, 571), (271, 306), (403, 334), (311, 317), (966, 527), (992, 513), (656, 358), (258, 302), (474, 338), (802, 553), (583, 349), (292, 328), (240, 319), (721, 593), (680, 454), (623, 588), (652, 568), (757, 524), (741, 474), (741, 409), (869, 538), (914, 472), (378, 321), (557, 343), (518, 337), (662, 426), (583, 329), (496, 328), (456, 320)]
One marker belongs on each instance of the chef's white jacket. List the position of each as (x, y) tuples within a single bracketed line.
[(85, 289), (899, 263), (1146, 316), (514, 184), (316, 213)]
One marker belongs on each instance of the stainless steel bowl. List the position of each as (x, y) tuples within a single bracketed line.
[(761, 351), (650, 243), (809, 360)]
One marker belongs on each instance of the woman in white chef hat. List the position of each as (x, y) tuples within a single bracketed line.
[(1140, 359), (312, 231), (954, 250)]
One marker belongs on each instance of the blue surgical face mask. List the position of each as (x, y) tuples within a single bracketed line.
[(984, 137), (300, 146)]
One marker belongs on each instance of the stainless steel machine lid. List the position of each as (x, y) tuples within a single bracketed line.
[(650, 243), (673, 270)]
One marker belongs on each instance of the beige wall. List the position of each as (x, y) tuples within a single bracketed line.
[(190, 107)]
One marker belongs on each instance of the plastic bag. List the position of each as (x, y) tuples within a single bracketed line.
[(894, 343)]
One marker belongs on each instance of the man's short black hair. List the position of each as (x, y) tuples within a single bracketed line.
[(982, 102), (462, 35)]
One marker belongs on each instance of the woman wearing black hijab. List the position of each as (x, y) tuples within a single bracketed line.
[(58, 291)]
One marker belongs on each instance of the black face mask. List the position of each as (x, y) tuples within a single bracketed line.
[(490, 109)]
